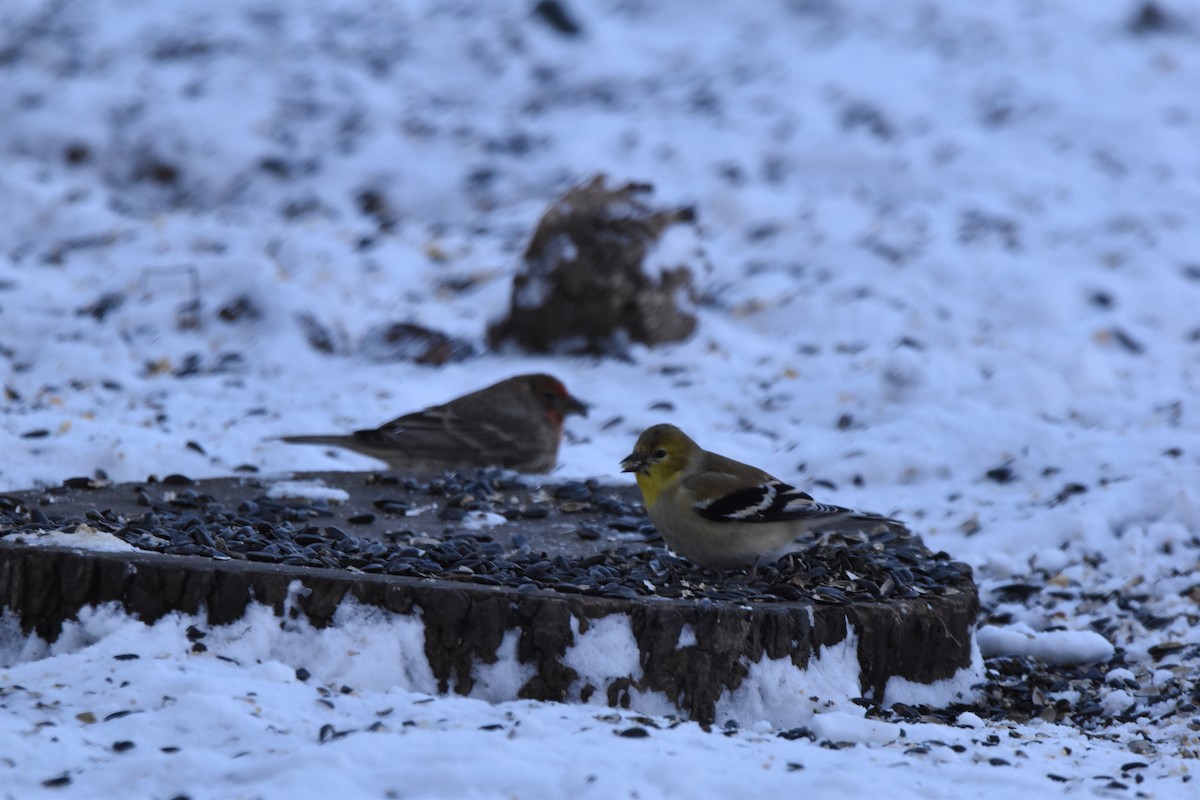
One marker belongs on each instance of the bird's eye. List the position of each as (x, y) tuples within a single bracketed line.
[(660, 454)]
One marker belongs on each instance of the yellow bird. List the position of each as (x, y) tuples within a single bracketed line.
[(721, 513)]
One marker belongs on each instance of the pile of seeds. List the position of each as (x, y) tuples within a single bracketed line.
[(833, 569)]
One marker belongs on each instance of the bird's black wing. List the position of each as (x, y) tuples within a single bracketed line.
[(728, 499)]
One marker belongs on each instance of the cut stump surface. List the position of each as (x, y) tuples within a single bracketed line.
[(475, 558)]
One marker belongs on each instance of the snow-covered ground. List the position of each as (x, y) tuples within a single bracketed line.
[(947, 267)]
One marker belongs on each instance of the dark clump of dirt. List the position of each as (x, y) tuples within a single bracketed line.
[(584, 287)]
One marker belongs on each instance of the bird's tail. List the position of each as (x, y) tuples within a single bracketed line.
[(330, 438), (861, 522)]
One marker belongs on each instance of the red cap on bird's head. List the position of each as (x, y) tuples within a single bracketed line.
[(555, 398)]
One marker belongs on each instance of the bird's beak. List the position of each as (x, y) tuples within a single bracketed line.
[(632, 463), (573, 405)]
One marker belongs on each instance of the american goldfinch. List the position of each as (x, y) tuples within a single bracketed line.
[(720, 513), (516, 423)]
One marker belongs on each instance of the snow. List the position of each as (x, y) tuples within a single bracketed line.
[(115, 701), (961, 687), (313, 490), (482, 520), (777, 693), (82, 537), (947, 267), (1052, 647)]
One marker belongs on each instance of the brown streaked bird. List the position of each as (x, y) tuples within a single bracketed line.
[(516, 423), (721, 513)]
